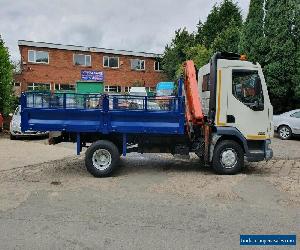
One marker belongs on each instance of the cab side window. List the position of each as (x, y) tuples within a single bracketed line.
[(206, 83), (246, 87)]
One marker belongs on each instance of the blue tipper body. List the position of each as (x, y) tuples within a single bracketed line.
[(83, 113)]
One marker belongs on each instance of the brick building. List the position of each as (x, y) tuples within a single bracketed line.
[(59, 67)]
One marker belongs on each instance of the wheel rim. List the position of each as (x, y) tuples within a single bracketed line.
[(284, 132), (228, 158), (101, 159)]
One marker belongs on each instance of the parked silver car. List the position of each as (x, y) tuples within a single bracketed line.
[(15, 127), (287, 124)]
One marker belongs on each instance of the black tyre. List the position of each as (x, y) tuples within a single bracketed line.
[(228, 157), (13, 137), (284, 132), (102, 158)]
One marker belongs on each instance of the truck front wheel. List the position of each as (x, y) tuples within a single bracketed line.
[(102, 158), (228, 157)]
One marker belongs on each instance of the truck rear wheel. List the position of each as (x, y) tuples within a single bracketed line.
[(102, 158), (228, 157)]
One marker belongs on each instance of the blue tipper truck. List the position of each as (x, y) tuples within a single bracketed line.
[(114, 125)]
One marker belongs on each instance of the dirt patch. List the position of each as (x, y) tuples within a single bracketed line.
[(289, 149), (288, 185), (66, 174)]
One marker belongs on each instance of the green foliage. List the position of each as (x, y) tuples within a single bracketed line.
[(253, 42), (6, 79), (175, 53), (219, 32), (282, 59), (228, 40), (199, 54), (219, 19), (296, 38)]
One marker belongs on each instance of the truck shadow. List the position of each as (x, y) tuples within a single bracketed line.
[(151, 164), (159, 163), (167, 163), (148, 165)]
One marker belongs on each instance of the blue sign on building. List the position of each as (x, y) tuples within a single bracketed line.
[(92, 75)]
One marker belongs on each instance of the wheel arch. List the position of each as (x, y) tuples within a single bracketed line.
[(228, 133), (232, 138), (283, 124)]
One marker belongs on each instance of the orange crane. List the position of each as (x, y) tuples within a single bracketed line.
[(193, 106)]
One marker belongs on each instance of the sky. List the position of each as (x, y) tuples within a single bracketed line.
[(136, 25)]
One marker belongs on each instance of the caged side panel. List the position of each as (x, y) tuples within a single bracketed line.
[(73, 112)]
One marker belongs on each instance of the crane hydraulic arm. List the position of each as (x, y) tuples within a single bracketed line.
[(194, 114)]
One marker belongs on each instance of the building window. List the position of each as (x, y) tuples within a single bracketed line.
[(38, 56), (137, 64), (38, 86), (127, 89), (60, 86), (157, 66), (17, 84), (82, 60), (111, 62), (115, 89)]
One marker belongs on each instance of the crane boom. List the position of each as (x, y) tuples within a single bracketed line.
[(194, 113)]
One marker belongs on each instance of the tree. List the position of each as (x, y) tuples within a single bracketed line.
[(175, 53), (6, 79), (228, 40), (282, 59), (199, 54), (199, 33), (296, 36), (219, 19), (253, 42)]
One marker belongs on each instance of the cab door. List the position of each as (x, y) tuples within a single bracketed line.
[(245, 105)]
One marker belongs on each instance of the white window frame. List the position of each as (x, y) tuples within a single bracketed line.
[(34, 55), (85, 56), (127, 89), (139, 60), (150, 89), (108, 62), (108, 88), (159, 68), (37, 83), (59, 85)]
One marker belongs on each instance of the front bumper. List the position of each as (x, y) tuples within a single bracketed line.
[(268, 150)]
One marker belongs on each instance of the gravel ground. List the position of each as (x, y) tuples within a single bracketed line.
[(154, 201), (20, 153), (286, 149)]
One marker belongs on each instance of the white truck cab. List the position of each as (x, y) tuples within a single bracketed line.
[(234, 97)]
